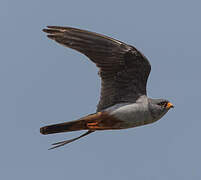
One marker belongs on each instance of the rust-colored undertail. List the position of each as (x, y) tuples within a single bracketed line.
[(98, 121), (93, 122)]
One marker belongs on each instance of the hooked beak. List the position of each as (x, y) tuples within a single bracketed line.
[(169, 105)]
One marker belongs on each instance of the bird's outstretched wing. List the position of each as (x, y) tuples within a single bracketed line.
[(123, 69)]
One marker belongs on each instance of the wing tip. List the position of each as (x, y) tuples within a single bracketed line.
[(58, 28), (53, 32)]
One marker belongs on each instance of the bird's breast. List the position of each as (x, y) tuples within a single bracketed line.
[(133, 115)]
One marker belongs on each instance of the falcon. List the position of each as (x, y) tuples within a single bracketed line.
[(123, 71)]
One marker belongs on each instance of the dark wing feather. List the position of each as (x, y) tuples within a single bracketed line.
[(123, 69)]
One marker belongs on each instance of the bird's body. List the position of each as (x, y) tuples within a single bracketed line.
[(134, 114), (124, 72)]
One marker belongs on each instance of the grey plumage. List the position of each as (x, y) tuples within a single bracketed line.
[(158, 107), (124, 72), (123, 69)]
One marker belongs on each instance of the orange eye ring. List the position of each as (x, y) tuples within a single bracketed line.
[(164, 103)]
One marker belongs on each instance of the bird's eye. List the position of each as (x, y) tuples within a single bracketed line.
[(164, 103)]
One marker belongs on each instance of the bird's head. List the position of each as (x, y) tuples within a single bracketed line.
[(159, 107)]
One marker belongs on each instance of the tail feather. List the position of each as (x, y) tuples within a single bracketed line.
[(62, 143), (97, 121), (92, 122), (64, 127)]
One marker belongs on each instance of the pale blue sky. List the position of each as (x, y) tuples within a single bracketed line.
[(44, 83)]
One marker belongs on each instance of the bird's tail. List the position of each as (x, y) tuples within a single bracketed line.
[(93, 122), (80, 124), (64, 127)]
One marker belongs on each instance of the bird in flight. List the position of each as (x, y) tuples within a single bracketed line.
[(124, 72)]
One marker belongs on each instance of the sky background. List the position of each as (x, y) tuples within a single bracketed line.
[(44, 83)]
